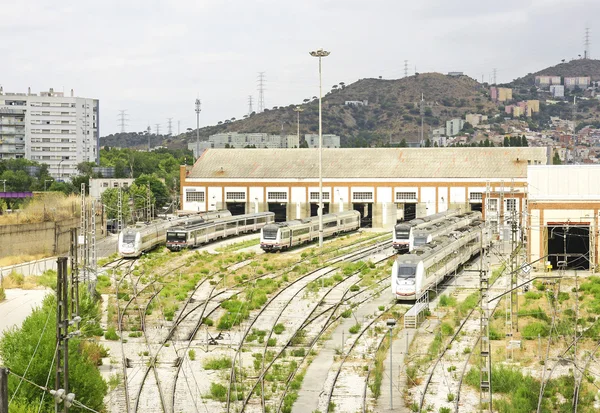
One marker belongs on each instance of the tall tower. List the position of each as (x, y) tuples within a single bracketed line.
[(170, 126), (494, 73), (122, 118), (406, 68), (586, 43), (249, 105), (261, 92)]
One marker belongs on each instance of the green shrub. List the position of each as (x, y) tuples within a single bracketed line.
[(381, 308), (299, 352), (446, 409), (111, 334), (354, 288), (450, 397), (278, 329), (447, 301), (354, 329), (2, 294), (347, 313), (192, 354), (532, 295), (562, 296), (271, 342), (217, 363), (218, 392), (135, 334), (207, 322), (446, 329), (532, 330)]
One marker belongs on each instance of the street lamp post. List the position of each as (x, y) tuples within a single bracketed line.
[(320, 54), (198, 127), (298, 109), (59, 173), (47, 180)]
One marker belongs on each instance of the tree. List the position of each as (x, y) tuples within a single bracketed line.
[(157, 188), (403, 143), (428, 143), (506, 141), (66, 188), (306, 100), (556, 159), (38, 330), (524, 141), (110, 199)]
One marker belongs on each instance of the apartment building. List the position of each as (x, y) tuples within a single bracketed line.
[(50, 128), (12, 133), (454, 126), (329, 141)]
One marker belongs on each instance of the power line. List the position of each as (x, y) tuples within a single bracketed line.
[(123, 118), (261, 92)]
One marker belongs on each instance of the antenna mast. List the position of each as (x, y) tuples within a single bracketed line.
[(261, 92)]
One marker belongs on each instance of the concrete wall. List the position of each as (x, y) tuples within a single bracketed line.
[(51, 238)]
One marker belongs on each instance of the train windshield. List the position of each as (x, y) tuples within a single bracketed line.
[(402, 232), (406, 272), (175, 236), (129, 238), (269, 232)]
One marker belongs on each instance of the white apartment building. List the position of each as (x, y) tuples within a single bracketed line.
[(12, 133), (329, 141), (60, 131), (454, 126)]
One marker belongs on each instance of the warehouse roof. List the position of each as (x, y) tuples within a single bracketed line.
[(369, 163)]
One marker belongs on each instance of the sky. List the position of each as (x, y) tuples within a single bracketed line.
[(154, 58)]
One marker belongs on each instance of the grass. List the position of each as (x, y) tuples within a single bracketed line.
[(51, 206), (218, 392), (447, 301), (279, 328), (192, 354), (347, 313), (354, 329), (2, 294), (111, 334), (217, 363)]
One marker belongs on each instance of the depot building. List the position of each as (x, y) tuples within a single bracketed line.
[(385, 184)]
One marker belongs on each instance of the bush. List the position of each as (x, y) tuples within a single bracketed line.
[(271, 342), (354, 329), (218, 392), (300, 352), (217, 363), (450, 397), (446, 329), (531, 331), (207, 322), (192, 354), (447, 301), (278, 329), (446, 409), (111, 334), (354, 288), (2, 294), (381, 308), (532, 295), (347, 313)]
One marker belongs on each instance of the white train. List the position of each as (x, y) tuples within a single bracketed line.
[(284, 235), (181, 237), (403, 232), (425, 267), (133, 241), (425, 233)]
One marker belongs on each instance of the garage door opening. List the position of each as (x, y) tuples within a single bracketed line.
[(279, 209), (366, 214), (314, 209), (410, 212), (236, 208), (569, 243), (477, 206)]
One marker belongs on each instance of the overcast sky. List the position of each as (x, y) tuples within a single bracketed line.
[(153, 58)]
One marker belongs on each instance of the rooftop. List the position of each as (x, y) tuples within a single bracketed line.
[(368, 163)]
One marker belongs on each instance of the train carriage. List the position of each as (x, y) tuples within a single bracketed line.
[(402, 234)]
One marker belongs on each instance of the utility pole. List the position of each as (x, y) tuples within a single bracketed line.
[(261, 92), (92, 248), (3, 390), (157, 128), (406, 68), (148, 130), (122, 118), (198, 110), (298, 109), (62, 327), (485, 362), (422, 110), (514, 261), (119, 212), (170, 126), (74, 276), (148, 204), (178, 127), (249, 105), (83, 233), (494, 73)]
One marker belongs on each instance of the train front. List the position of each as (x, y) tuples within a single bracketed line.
[(400, 239), (130, 243), (176, 239), (404, 279), (269, 238)]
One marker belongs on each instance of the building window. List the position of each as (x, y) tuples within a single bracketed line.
[(362, 196), (475, 196), (403, 196), (235, 196), (314, 196), (277, 196), (192, 196), (511, 205), (493, 205)]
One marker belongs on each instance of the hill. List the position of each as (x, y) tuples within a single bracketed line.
[(391, 114), (578, 67)]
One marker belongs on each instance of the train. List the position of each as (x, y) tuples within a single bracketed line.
[(133, 241), (402, 233), (181, 237), (426, 266), (425, 233), (284, 235)]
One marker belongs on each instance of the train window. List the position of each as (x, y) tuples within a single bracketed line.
[(231, 224), (270, 232), (250, 221), (129, 238), (406, 272), (176, 236)]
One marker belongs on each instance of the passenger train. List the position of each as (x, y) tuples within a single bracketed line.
[(426, 266), (133, 241), (284, 235), (181, 237), (425, 233), (403, 232)]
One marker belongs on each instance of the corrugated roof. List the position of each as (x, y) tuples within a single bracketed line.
[(368, 163)]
